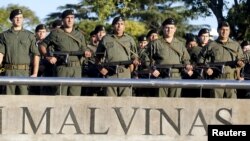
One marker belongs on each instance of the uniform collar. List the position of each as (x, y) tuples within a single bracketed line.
[(12, 29), (228, 41)]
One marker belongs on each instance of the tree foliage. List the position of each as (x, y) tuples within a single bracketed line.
[(148, 12), (30, 18), (237, 15)]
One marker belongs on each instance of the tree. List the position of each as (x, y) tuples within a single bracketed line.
[(237, 15), (30, 19), (148, 12)]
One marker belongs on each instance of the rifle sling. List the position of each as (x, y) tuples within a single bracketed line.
[(71, 36), (125, 48), (235, 53)]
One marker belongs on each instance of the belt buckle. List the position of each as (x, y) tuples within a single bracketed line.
[(120, 69)]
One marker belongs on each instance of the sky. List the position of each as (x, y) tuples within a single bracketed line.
[(41, 7), (44, 7)]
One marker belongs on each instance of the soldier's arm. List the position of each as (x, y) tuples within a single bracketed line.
[(2, 49), (36, 61), (1, 58)]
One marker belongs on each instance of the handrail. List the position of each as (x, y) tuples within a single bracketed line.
[(142, 83)]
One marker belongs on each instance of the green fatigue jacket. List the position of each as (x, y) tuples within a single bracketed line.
[(164, 53), (17, 47), (114, 49), (61, 41), (221, 52), (111, 50), (58, 40), (194, 53)]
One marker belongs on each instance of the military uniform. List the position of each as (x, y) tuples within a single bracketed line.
[(61, 41), (221, 52), (113, 51), (163, 54), (17, 46)]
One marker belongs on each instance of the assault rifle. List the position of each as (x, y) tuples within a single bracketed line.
[(166, 69), (217, 67), (63, 56), (112, 67)]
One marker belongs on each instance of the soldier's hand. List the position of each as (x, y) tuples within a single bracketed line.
[(136, 62), (240, 63), (52, 60), (103, 71), (87, 54), (33, 75), (209, 71), (155, 73), (189, 67)]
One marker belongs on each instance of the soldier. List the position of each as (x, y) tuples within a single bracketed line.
[(144, 67), (169, 50), (193, 48), (116, 47), (16, 46), (100, 32), (204, 37), (152, 35), (56, 24), (66, 39), (244, 72), (40, 34), (194, 51), (222, 50), (90, 66)]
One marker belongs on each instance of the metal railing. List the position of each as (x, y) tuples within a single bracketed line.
[(141, 83)]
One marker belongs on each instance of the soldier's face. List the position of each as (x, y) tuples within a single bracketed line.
[(169, 30), (41, 34), (100, 35), (17, 21), (69, 21), (224, 32), (204, 38), (153, 36), (143, 44), (119, 27)]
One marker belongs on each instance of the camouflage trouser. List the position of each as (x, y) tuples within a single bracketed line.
[(21, 89), (122, 72)]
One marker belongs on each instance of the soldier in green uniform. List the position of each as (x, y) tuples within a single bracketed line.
[(152, 35), (221, 50), (40, 34), (194, 52), (116, 47), (16, 46), (66, 39), (169, 50), (143, 70)]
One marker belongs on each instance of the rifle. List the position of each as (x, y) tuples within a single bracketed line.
[(64, 55), (112, 66), (218, 67), (166, 69)]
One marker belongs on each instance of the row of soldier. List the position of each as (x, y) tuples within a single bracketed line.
[(19, 49)]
